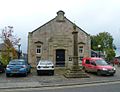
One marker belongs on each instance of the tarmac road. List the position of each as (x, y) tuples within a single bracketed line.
[(95, 87)]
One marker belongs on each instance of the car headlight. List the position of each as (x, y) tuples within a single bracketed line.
[(7, 68), (39, 67), (104, 69), (114, 69)]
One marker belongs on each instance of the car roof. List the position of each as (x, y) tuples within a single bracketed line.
[(20, 60), (45, 61), (93, 58)]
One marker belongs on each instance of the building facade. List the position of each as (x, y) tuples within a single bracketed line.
[(54, 41)]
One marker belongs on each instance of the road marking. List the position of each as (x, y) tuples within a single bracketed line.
[(60, 87)]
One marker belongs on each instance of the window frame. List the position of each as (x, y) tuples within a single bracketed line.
[(38, 49), (81, 50)]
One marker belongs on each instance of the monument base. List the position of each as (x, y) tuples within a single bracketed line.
[(76, 74)]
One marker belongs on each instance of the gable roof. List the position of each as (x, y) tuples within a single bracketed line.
[(54, 19), (78, 27), (42, 25)]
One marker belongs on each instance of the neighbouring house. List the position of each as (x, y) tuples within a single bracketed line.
[(97, 54), (54, 41)]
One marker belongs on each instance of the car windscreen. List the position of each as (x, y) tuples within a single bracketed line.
[(16, 63), (101, 62), (45, 63)]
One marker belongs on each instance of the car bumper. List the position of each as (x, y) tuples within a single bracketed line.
[(21, 71), (108, 72), (45, 71)]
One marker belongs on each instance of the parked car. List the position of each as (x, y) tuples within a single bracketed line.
[(18, 66), (115, 62), (98, 65), (2, 69), (45, 66)]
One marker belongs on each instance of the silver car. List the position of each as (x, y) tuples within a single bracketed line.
[(45, 66)]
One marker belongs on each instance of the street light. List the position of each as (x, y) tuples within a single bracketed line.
[(19, 50), (99, 46)]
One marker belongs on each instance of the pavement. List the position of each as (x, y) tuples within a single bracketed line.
[(34, 81)]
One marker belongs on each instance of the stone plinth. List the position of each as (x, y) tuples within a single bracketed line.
[(76, 74)]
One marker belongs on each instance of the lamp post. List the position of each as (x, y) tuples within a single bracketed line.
[(99, 46), (19, 50)]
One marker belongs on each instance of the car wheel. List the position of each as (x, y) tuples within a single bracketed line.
[(98, 72), (7, 75), (52, 72), (112, 74), (38, 73), (85, 69), (25, 74)]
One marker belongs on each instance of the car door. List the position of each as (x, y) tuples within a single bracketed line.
[(87, 65), (92, 66)]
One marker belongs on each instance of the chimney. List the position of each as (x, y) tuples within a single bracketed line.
[(60, 16)]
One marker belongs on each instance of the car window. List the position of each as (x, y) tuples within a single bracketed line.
[(49, 63), (16, 63), (101, 62), (87, 61), (92, 62), (44, 62)]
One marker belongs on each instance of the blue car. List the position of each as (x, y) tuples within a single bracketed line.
[(18, 66)]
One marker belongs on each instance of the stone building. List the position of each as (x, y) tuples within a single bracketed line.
[(54, 41)]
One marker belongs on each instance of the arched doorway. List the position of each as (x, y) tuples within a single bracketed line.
[(60, 57)]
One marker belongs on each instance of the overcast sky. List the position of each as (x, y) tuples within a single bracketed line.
[(93, 16)]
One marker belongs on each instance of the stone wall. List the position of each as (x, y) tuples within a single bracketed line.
[(56, 35)]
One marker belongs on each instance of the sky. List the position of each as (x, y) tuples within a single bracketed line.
[(93, 16)]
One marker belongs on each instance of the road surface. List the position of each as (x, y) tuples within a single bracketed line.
[(96, 87)]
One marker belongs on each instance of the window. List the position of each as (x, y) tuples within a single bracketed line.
[(81, 49), (70, 58), (38, 49), (87, 62)]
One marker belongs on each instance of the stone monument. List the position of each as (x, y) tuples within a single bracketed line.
[(75, 71)]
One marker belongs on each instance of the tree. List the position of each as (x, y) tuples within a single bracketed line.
[(10, 41), (106, 41)]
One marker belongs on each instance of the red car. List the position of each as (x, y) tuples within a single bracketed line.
[(98, 65), (116, 62)]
